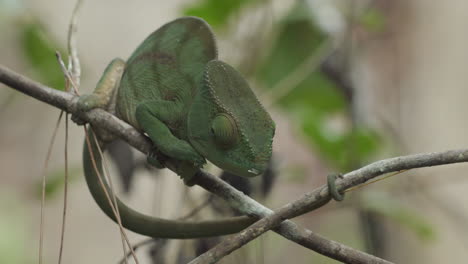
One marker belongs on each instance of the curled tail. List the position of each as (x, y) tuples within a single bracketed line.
[(149, 225)]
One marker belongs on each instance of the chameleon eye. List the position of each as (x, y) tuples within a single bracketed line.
[(224, 130)]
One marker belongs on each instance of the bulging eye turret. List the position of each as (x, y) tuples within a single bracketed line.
[(224, 130)]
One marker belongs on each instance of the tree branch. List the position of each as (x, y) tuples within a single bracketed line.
[(68, 102), (236, 199), (310, 199), (286, 228)]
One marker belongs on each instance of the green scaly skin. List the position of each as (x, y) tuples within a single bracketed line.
[(193, 107)]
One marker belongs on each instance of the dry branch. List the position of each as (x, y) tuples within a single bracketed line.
[(321, 194)]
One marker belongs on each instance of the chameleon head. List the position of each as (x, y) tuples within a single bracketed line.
[(227, 124)]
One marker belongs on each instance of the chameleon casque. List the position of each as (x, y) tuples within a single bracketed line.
[(193, 107)]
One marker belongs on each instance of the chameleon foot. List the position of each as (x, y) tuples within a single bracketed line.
[(331, 181), (85, 103), (181, 150), (153, 160)]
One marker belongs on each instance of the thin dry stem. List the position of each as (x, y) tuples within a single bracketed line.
[(137, 246), (68, 77), (44, 176), (74, 61), (72, 75), (72, 80), (65, 192), (114, 198), (197, 209), (101, 182)]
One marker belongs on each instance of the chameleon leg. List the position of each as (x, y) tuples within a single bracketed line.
[(331, 179), (154, 161), (151, 116), (105, 88)]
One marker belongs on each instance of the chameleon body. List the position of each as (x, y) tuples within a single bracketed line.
[(193, 107)]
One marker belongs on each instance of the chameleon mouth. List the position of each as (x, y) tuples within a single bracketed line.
[(254, 171)]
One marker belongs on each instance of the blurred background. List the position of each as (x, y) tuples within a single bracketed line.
[(347, 83)]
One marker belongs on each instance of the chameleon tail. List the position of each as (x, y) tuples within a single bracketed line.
[(149, 225)]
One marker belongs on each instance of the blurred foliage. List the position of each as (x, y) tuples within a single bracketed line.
[(13, 230), (39, 50), (215, 12), (316, 101), (55, 181), (372, 19), (392, 208)]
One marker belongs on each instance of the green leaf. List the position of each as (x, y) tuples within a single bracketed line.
[(367, 141), (215, 12), (315, 102), (56, 180), (297, 41), (373, 19), (39, 50), (387, 205)]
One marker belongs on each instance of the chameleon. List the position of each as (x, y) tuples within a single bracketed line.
[(193, 107)]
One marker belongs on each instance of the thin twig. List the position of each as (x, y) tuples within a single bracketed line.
[(74, 62), (68, 81), (68, 76), (114, 200), (136, 246), (73, 81), (123, 235), (374, 181), (197, 209), (101, 182), (65, 192), (72, 75), (44, 174)]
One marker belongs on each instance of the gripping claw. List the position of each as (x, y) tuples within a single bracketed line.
[(331, 179), (153, 159)]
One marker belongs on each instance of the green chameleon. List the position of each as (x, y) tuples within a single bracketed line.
[(193, 107)]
